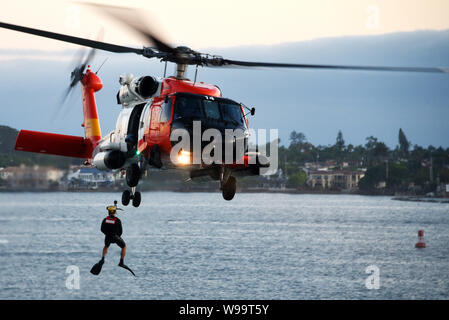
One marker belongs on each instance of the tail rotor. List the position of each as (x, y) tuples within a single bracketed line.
[(77, 74)]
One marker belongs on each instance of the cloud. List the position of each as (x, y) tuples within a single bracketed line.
[(318, 103)]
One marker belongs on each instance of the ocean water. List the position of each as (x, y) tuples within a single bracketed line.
[(198, 246)]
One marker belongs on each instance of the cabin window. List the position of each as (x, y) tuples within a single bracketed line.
[(147, 116), (166, 111), (212, 110)]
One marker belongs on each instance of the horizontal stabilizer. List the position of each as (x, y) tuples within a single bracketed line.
[(51, 143)]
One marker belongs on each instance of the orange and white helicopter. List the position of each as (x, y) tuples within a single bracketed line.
[(152, 108)]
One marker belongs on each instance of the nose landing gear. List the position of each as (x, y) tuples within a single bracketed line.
[(133, 195), (229, 188), (228, 184)]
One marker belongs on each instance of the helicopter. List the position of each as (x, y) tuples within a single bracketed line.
[(153, 108)]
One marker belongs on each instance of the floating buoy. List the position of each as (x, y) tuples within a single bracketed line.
[(420, 243)]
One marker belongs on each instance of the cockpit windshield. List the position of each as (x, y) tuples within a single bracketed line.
[(211, 108), (188, 107)]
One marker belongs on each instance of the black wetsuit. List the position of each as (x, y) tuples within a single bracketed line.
[(112, 229)]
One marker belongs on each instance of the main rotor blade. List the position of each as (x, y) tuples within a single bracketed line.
[(76, 40), (227, 62), (130, 17)]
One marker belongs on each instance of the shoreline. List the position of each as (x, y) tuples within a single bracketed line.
[(421, 199), (187, 190), (410, 198)]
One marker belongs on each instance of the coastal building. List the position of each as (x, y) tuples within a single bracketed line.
[(442, 190), (35, 177), (338, 179), (381, 184), (330, 165), (89, 178)]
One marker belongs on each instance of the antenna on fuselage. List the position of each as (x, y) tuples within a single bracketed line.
[(101, 65), (196, 72)]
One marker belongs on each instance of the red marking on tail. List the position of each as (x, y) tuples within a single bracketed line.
[(56, 144)]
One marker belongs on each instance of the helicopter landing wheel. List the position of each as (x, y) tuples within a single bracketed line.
[(136, 199), (229, 188), (126, 197), (133, 175)]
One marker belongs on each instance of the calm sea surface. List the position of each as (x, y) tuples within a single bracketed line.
[(198, 246)]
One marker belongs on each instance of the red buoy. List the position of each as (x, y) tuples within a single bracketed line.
[(420, 243)]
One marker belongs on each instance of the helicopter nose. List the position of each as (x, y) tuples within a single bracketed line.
[(232, 144)]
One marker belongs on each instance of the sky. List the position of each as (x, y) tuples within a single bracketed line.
[(211, 23), (318, 103)]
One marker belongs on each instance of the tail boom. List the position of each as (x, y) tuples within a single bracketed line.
[(90, 84)]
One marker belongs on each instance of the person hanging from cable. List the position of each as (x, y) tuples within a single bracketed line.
[(112, 229)]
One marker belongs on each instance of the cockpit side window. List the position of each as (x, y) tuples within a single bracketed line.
[(166, 111), (232, 112)]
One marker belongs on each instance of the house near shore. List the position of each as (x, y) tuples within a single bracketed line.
[(88, 178), (442, 190), (338, 179)]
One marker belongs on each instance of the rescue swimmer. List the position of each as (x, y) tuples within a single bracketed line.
[(112, 229)]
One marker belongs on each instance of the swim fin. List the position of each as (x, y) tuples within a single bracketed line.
[(96, 269), (121, 264)]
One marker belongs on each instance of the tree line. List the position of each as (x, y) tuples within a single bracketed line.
[(401, 168)]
